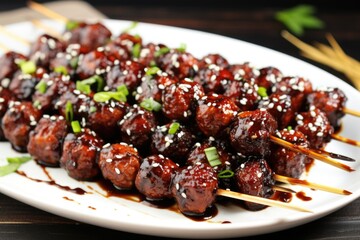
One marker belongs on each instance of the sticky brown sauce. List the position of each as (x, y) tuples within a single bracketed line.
[(301, 195)]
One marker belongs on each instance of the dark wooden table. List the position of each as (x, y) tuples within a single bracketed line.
[(252, 22)]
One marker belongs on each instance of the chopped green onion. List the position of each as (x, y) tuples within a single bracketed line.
[(289, 128), (20, 160), (136, 50), (182, 47), (262, 92), (37, 104), (212, 156), (69, 113), (75, 125), (74, 62), (131, 27), (150, 105), (13, 164), (41, 86), (161, 51), (152, 71), (84, 85), (27, 67), (226, 174), (123, 89), (174, 127), (71, 25), (61, 69), (152, 63), (93, 109), (106, 96)]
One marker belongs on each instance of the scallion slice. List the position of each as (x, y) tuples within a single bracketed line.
[(136, 50), (69, 113), (174, 127), (182, 47), (152, 71), (106, 96), (131, 27), (212, 156), (262, 92), (75, 125), (20, 160), (84, 85), (71, 25), (227, 173), (13, 164), (161, 51), (150, 105), (41, 86), (123, 89), (61, 69), (27, 67)]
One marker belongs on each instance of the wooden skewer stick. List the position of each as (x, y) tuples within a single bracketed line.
[(304, 183), (351, 112), (334, 155), (282, 189), (346, 140), (14, 36), (310, 153), (259, 200), (47, 12)]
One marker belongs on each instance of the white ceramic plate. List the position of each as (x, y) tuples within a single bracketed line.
[(125, 215)]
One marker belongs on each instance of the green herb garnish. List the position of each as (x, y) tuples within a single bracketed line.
[(123, 89), (174, 127), (182, 47), (93, 109), (298, 18), (61, 69), (41, 86), (262, 92), (131, 27), (161, 51), (75, 125), (69, 113), (27, 67), (37, 104), (152, 71), (212, 156), (13, 164), (150, 105), (106, 96), (136, 50), (289, 128), (84, 85), (74, 62), (71, 25), (226, 174)]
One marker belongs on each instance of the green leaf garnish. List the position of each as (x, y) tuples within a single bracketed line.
[(289, 128), (123, 89), (152, 71), (174, 127), (71, 25), (150, 105), (182, 47), (161, 51), (27, 67), (75, 125), (106, 96), (298, 18), (74, 62), (136, 50), (212, 156), (41, 86), (131, 27), (13, 164), (262, 92), (93, 109), (84, 85), (61, 69), (37, 104), (69, 113), (226, 174)]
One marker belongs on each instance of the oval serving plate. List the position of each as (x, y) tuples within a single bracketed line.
[(127, 215)]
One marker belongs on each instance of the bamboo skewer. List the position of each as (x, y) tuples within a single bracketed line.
[(282, 189), (352, 112), (259, 200), (346, 140), (304, 183), (310, 153), (47, 12)]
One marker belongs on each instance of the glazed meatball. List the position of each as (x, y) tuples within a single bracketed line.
[(244, 93), (279, 106), (215, 113), (128, 73), (80, 103), (254, 177), (180, 99), (137, 126), (5, 97), (88, 35), (214, 79), (148, 54), (128, 41), (331, 101), (67, 60), (213, 59), (80, 153), (286, 162), (23, 85), (120, 163), (44, 49), (251, 131), (244, 71), (45, 143), (268, 77), (194, 188), (103, 118), (18, 121), (175, 146), (316, 127), (179, 64), (155, 177)]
